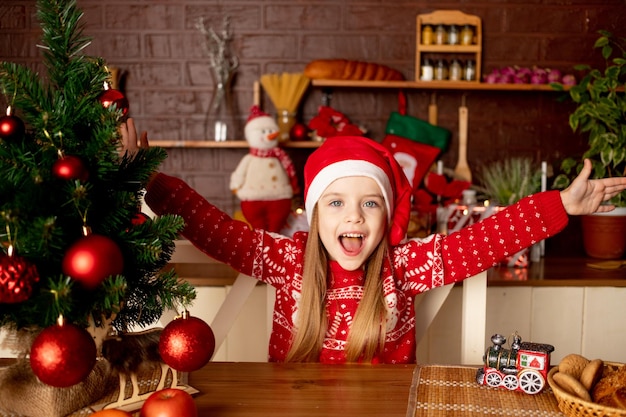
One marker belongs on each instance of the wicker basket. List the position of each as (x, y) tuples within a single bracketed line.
[(575, 407)]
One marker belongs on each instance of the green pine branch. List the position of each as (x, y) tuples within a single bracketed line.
[(63, 39)]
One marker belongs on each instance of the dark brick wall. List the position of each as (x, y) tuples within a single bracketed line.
[(169, 83)]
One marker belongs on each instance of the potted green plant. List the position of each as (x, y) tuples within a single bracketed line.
[(601, 114), (507, 181)]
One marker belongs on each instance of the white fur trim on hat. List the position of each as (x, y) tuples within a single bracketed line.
[(347, 168)]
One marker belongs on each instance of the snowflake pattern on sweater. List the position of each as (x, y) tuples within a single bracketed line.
[(417, 265)]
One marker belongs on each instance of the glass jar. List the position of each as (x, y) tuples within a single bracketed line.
[(469, 72), (441, 70), (467, 35), (469, 197), (427, 35), (453, 35), (426, 70), (285, 120), (455, 73), (441, 36)]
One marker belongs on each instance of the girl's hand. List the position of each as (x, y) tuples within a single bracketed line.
[(585, 196), (129, 143)]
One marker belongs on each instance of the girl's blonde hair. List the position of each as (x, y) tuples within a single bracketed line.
[(367, 334)]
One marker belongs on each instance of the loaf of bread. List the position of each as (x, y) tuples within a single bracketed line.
[(610, 389), (344, 69)]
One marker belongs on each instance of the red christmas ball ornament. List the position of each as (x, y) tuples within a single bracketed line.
[(139, 218), (17, 278), (299, 131), (63, 355), (70, 168), (187, 343), (11, 128), (110, 97), (92, 259)]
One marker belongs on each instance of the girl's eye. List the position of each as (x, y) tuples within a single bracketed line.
[(335, 203), (371, 204)]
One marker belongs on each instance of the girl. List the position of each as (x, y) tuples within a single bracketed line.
[(345, 289)]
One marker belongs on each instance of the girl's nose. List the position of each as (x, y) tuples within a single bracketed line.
[(354, 214)]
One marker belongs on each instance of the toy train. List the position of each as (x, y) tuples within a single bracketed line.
[(524, 367)]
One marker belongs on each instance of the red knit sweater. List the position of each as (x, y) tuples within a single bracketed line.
[(418, 264)]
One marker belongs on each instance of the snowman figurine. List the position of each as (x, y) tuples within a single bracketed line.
[(265, 179)]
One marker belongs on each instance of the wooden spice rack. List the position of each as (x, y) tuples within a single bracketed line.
[(449, 17)]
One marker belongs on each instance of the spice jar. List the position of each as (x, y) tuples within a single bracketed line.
[(453, 35), (427, 70), (467, 35), (427, 35), (455, 71), (469, 197), (469, 72), (441, 36), (441, 70)]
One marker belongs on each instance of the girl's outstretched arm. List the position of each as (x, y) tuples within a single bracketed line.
[(585, 196)]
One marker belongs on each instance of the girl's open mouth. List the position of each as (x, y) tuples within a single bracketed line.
[(351, 242)]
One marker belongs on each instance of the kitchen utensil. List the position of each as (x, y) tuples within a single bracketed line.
[(462, 170), (432, 110)]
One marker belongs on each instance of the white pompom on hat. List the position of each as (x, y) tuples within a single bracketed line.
[(349, 156)]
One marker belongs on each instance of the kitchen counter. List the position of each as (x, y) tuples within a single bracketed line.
[(549, 271)]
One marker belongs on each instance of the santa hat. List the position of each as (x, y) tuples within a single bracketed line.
[(348, 156), (255, 111)]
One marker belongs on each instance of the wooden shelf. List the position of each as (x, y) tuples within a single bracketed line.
[(450, 49), (229, 144), (435, 85)]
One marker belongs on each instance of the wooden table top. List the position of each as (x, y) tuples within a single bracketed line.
[(271, 389), (255, 389)]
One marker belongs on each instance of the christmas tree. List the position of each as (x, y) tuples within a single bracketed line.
[(73, 241)]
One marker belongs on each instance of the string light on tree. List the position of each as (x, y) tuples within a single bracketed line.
[(62, 355), (186, 343), (11, 127)]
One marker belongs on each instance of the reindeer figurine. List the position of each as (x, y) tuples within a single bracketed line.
[(128, 355)]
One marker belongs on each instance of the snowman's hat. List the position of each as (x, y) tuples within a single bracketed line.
[(255, 111)]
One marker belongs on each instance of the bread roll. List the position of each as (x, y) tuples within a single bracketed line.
[(592, 374), (608, 384), (571, 385), (619, 397), (573, 364), (343, 69)]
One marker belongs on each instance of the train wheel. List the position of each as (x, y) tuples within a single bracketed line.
[(480, 376), (493, 379), (510, 382), (531, 381)]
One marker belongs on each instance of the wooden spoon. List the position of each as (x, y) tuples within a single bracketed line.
[(432, 110), (606, 265), (462, 170)]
